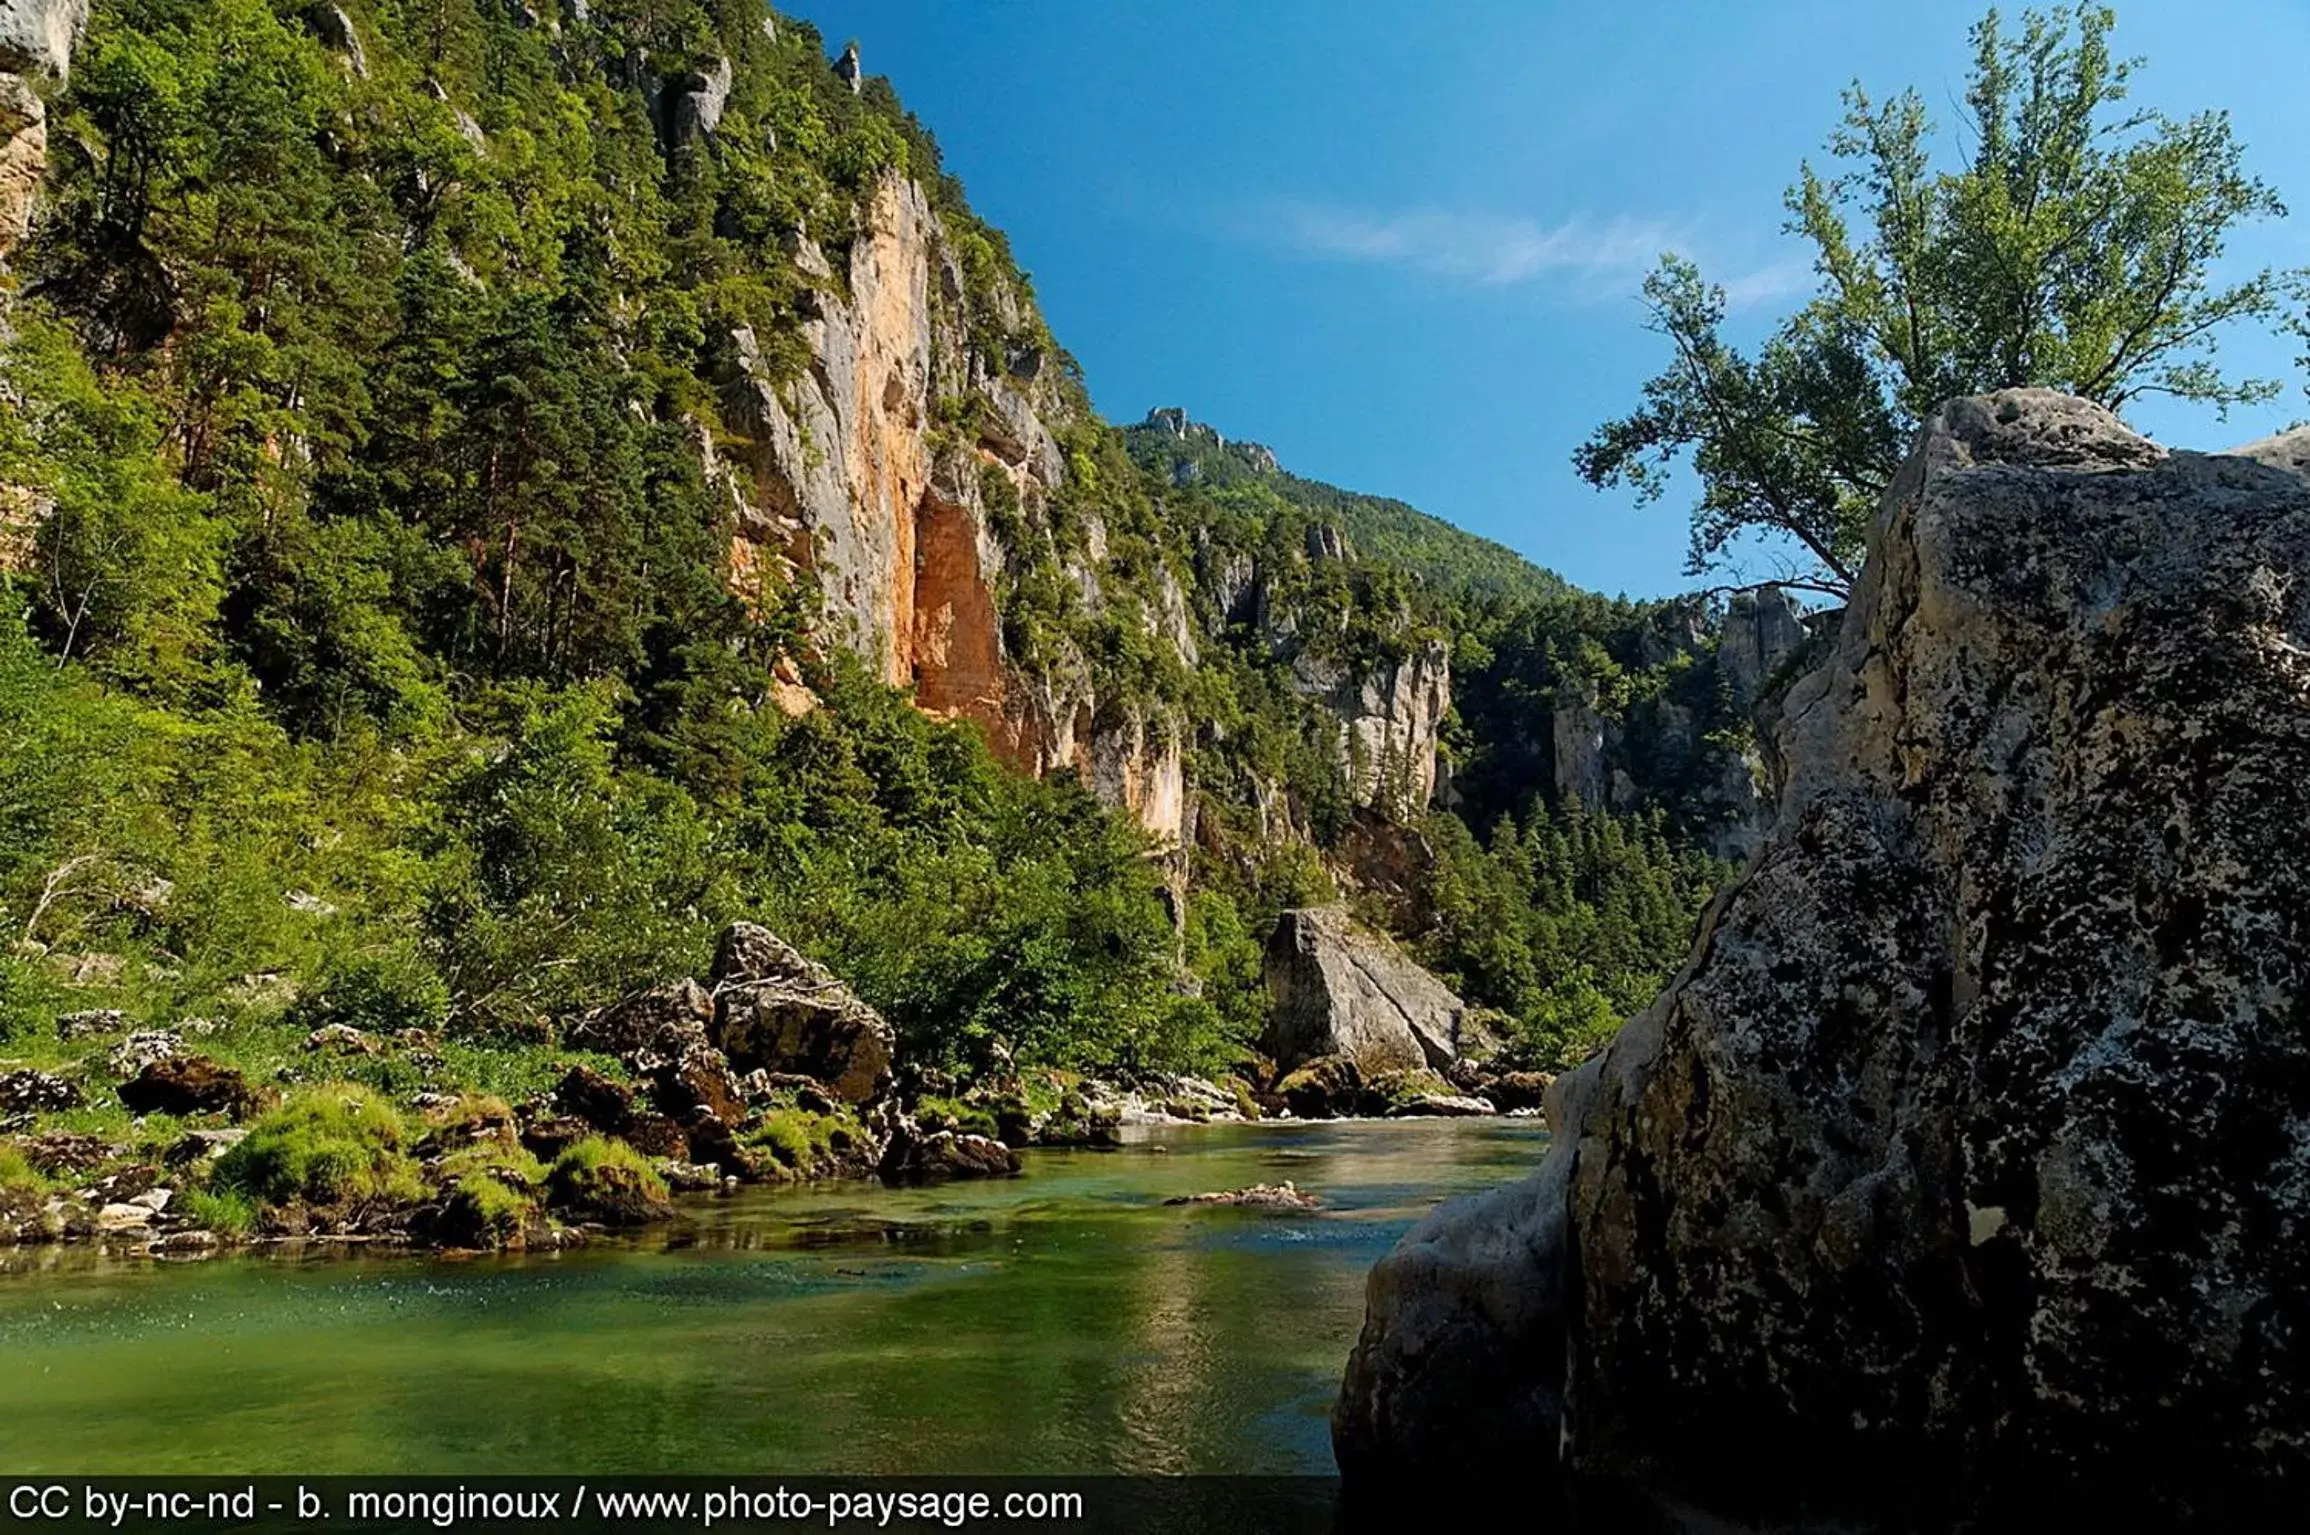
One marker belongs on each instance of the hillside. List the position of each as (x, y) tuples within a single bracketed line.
[(496, 494), (1185, 452)]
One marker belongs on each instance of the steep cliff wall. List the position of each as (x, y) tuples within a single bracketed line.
[(1972, 1134), (869, 477)]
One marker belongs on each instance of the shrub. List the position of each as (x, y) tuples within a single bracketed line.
[(16, 1174), (336, 1144), (378, 993), (221, 1210)]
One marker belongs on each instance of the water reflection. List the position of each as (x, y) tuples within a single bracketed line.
[(1067, 1321)]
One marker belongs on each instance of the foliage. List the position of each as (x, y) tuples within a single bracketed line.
[(2074, 248), (1568, 923)]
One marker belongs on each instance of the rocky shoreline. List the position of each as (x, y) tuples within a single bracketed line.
[(769, 1070)]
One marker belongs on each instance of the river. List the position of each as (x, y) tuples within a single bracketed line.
[(1063, 1322)]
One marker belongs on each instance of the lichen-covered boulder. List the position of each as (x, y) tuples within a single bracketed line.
[(1336, 988), (1975, 1133), (775, 1010)]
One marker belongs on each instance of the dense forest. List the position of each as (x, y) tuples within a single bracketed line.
[(374, 649)]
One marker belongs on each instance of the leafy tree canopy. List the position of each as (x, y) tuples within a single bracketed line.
[(2075, 247)]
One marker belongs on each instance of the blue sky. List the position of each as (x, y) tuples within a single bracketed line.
[(1400, 243)]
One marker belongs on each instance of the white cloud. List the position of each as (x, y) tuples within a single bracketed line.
[(1606, 258)]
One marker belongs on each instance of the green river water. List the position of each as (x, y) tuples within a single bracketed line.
[(1063, 1322)]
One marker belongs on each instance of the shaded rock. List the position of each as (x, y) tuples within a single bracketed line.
[(191, 1084), (699, 1081), (549, 1137), (848, 70), (600, 1102), (197, 1148), (61, 1152), (1336, 988), (656, 1135), (690, 106), (777, 1011), (36, 1092), (337, 33), (912, 1157), (1511, 1091), (1970, 1139), (683, 1009)]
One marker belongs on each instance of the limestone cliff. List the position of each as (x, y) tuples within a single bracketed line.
[(1972, 1135), (869, 473), (37, 38)]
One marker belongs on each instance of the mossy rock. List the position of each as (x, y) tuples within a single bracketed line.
[(486, 1213), (1392, 1090), (609, 1183), (1324, 1088)]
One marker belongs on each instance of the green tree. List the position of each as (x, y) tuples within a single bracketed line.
[(2074, 248)]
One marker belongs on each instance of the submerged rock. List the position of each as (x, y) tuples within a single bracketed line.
[(1286, 1195), (1971, 1137)]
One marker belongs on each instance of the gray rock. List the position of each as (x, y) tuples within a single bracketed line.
[(142, 1049), (776, 1011), (1762, 629), (40, 35), (1337, 988), (690, 106), (1972, 1135), (91, 1023), (1443, 1106), (674, 1013), (848, 70), (337, 33)]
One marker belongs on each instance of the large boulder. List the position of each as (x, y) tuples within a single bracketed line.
[(776, 1011), (1975, 1133), (1337, 988)]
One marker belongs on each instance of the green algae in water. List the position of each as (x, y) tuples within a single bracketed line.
[(1063, 1322)]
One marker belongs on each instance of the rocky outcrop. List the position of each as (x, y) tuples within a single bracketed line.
[(37, 38), (1391, 715), (1337, 989), (1762, 630), (859, 479), (775, 1010), (1972, 1135)]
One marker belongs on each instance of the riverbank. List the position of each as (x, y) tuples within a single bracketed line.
[(1066, 1321), (178, 1141)]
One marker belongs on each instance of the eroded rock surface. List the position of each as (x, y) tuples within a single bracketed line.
[(1338, 989), (777, 1011), (1976, 1131)]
